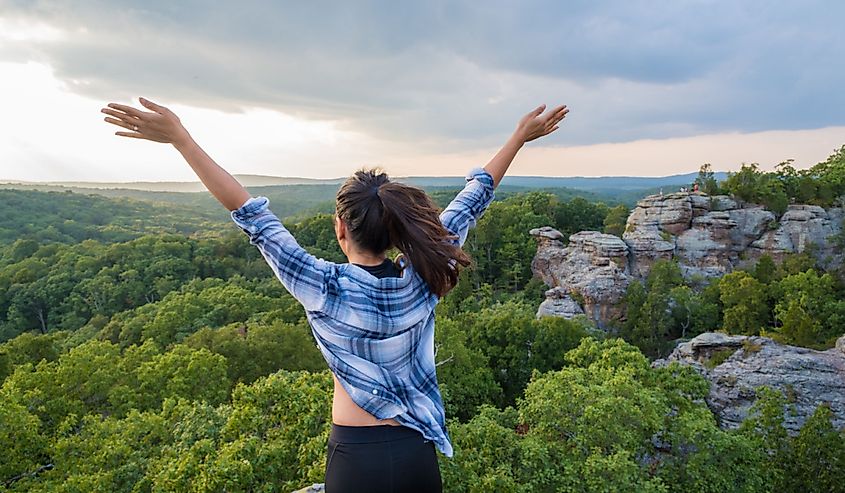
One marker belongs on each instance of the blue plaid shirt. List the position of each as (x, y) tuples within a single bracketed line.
[(376, 334)]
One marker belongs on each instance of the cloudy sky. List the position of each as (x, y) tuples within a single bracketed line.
[(318, 89)]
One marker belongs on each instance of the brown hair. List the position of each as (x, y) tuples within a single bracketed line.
[(379, 214)]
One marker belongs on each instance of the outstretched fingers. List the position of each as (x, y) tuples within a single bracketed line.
[(539, 111), (123, 120), (555, 117), (128, 110), (134, 135), (557, 114), (561, 113), (158, 125), (153, 106), (122, 116), (121, 123)]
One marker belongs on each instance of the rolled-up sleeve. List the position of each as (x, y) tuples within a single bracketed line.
[(469, 205), (303, 275)]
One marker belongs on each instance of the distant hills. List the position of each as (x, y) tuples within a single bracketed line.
[(174, 186), (606, 185), (591, 184)]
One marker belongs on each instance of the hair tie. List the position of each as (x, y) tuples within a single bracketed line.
[(400, 261)]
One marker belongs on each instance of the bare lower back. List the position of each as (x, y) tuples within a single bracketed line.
[(346, 413)]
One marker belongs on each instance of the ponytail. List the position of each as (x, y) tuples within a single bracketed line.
[(380, 213), (414, 226)]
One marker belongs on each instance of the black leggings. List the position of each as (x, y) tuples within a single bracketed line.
[(389, 459)]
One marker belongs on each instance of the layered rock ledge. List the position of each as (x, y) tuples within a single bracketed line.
[(591, 272), (736, 366), (709, 236)]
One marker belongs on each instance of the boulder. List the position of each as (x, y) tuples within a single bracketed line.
[(559, 303), (737, 365), (750, 224), (671, 213), (721, 203)]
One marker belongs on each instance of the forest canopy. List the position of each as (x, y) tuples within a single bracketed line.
[(148, 349)]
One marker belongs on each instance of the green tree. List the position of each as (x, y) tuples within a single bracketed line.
[(751, 185), (606, 422), (272, 437), (810, 310), (614, 222), (745, 183), (79, 382), (692, 312), (579, 214), (464, 373), (317, 235), (516, 343), (765, 270), (194, 374), (650, 322), (255, 350), (499, 243), (818, 455), (830, 176), (706, 180), (745, 302), (23, 444)]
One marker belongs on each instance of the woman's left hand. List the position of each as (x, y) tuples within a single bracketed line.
[(159, 124)]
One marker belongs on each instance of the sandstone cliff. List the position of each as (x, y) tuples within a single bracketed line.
[(708, 235)]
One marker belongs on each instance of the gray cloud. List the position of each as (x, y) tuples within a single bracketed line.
[(448, 72)]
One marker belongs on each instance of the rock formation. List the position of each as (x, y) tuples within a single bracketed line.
[(591, 269), (709, 236), (737, 365), (559, 303), (802, 227)]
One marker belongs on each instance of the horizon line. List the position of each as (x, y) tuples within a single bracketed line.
[(5, 181)]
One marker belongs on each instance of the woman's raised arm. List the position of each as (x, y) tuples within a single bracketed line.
[(162, 125), (466, 208), (530, 127)]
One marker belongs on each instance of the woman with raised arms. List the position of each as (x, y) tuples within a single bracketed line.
[(373, 317)]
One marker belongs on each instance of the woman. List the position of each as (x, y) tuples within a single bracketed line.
[(373, 319)]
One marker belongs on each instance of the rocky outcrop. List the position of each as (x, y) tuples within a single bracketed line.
[(709, 236), (737, 365), (802, 228), (559, 303), (591, 269), (648, 245)]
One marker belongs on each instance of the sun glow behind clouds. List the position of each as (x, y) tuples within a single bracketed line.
[(54, 134), (58, 135)]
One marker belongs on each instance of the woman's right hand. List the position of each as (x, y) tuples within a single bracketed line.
[(159, 124), (536, 124)]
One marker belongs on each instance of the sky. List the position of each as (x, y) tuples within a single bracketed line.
[(319, 89)]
